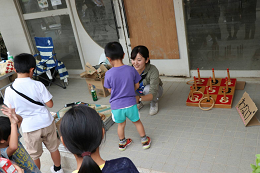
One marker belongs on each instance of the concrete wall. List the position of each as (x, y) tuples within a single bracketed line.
[(11, 28)]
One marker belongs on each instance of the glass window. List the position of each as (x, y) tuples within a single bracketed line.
[(33, 6), (60, 29), (222, 34), (98, 19)]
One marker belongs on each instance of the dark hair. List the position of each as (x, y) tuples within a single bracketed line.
[(82, 130), (5, 128), (142, 50), (23, 62), (114, 51)]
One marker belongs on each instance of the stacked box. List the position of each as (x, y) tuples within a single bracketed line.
[(95, 77), (106, 110), (98, 85), (103, 109)]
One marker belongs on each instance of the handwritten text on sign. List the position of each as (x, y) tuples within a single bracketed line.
[(246, 108)]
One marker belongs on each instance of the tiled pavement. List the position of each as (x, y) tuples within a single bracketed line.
[(184, 139)]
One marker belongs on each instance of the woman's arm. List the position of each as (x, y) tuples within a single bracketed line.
[(147, 97), (153, 80)]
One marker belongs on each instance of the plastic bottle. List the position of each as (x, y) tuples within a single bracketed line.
[(93, 93), (10, 57)]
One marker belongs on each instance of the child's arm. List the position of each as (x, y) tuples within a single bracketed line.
[(109, 90), (8, 111), (136, 86), (13, 142), (49, 103), (45, 95)]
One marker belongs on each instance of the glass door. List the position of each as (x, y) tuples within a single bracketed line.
[(50, 18), (223, 34)]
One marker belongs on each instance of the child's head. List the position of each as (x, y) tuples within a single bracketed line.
[(24, 62), (82, 131), (5, 131), (114, 51)]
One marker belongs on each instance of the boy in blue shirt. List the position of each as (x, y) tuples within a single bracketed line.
[(122, 81)]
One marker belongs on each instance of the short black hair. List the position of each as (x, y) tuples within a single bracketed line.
[(114, 50), (5, 128), (142, 50), (23, 62)]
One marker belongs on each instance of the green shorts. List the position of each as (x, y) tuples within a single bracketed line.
[(132, 113)]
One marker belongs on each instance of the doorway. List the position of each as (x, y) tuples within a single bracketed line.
[(152, 23), (46, 18)]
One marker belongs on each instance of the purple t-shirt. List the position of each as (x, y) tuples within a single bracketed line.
[(121, 81)]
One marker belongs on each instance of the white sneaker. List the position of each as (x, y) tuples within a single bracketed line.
[(153, 108), (52, 170)]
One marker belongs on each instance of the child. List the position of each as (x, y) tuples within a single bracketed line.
[(10, 145), (122, 81), (38, 124), (82, 132)]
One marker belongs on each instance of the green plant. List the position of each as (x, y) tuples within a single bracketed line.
[(256, 168)]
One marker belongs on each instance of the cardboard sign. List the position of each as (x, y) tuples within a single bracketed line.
[(246, 108)]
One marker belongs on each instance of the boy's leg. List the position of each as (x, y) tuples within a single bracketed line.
[(121, 130), (37, 163), (140, 128), (118, 116), (123, 142), (145, 140), (134, 115), (56, 158), (51, 142), (33, 143)]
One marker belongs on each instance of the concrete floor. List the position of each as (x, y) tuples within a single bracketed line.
[(184, 139)]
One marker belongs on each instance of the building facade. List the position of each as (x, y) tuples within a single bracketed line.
[(181, 35)]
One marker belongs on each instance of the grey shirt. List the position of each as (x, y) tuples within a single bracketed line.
[(152, 79)]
